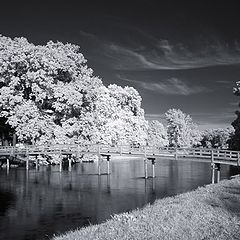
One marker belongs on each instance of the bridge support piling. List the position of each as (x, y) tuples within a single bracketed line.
[(99, 165), (108, 165), (213, 172), (176, 154), (218, 167), (69, 163), (153, 167), (27, 162), (145, 168), (153, 186), (36, 163), (60, 163), (108, 185), (8, 164)]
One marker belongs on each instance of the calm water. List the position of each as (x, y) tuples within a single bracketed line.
[(38, 204)]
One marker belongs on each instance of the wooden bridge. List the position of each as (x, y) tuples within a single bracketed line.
[(29, 153)]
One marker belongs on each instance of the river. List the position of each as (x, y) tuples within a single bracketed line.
[(39, 203)]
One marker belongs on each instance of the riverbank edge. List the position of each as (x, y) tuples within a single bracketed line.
[(209, 212)]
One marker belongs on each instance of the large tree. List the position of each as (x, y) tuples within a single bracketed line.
[(49, 95), (234, 142), (157, 134), (182, 132)]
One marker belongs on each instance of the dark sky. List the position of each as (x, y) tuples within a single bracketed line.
[(175, 53)]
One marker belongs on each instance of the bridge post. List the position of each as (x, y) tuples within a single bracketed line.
[(108, 164), (213, 172), (218, 167), (78, 152), (121, 150), (176, 156), (60, 163), (99, 164), (69, 163), (27, 162), (153, 167), (145, 168), (108, 185), (36, 162), (212, 156), (153, 186), (8, 164), (213, 166)]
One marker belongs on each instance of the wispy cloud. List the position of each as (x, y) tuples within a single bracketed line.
[(151, 53), (134, 59), (222, 81), (154, 116), (171, 86), (88, 34), (161, 55)]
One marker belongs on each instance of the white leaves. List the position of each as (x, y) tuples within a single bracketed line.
[(182, 132), (217, 138), (50, 95), (157, 134)]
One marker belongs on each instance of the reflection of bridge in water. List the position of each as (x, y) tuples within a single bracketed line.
[(29, 153)]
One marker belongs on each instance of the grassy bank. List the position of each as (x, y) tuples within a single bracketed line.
[(211, 212)]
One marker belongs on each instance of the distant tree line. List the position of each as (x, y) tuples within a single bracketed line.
[(181, 131)]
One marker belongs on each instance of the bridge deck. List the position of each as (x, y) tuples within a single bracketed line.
[(192, 154)]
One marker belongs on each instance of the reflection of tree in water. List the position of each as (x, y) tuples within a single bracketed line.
[(6, 200), (234, 170)]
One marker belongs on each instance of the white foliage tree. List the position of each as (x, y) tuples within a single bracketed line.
[(119, 118), (49, 95), (182, 132), (157, 134), (217, 138)]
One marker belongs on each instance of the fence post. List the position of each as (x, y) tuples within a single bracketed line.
[(176, 156)]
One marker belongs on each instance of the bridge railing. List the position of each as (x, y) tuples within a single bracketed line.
[(216, 154)]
